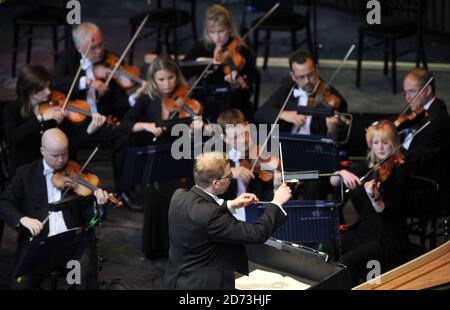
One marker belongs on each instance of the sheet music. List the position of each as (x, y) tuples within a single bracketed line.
[(264, 280)]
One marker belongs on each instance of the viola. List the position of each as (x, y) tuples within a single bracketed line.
[(323, 96), (77, 110), (125, 76), (180, 104), (406, 121), (82, 184), (233, 59)]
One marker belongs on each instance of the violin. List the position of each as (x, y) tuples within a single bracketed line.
[(323, 96), (180, 104), (78, 110), (269, 161), (84, 185), (125, 76), (406, 121), (230, 54)]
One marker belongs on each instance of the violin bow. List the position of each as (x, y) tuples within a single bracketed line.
[(243, 38), (364, 177), (83, 59), (273, 126), (408, 105), (126, 50)]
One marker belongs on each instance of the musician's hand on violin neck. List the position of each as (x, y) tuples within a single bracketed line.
[(97, 121), (293, 117), (33, 225), (138, 92), (242, 173), (372, 189), (102, 196), (53, 113), (243, 200)]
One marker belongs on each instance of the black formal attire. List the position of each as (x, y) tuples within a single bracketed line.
[(155, 239), (269, 111), (207, 242), (26, 195), (114, 102), (214, 92), (23, 136), (378, 236)]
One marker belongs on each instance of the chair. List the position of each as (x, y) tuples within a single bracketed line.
[(402, 19), (163, 22), (284, 19), (39, 16), (422, 206)]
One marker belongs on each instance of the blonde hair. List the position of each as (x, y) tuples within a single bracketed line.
[(80, 33), (386, 131), (209, 167), (218, 14), (162, 62)]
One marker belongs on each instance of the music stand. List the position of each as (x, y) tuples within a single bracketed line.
[(45, 254), (144, 165)]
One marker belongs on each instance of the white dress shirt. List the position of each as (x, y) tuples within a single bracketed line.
[(408, 139), (235, 156), (56, 221), (302, 102), (91, 96)]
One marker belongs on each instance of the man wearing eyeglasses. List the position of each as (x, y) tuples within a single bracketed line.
[(105, 99), (428, 152), (206, 240), (304, 75)]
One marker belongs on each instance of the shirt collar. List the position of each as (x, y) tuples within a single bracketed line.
[(216, 199), (427, 105), (47, 169)]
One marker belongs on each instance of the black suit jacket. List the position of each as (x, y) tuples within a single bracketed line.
[(429, 150), (269, 111), (26, 195), (207, 242), (114, 102)]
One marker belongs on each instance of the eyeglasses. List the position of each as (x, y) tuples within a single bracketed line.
[(228, 176)]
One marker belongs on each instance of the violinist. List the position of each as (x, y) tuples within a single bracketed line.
[(239, 144), (428, 152), (164, 98), (24, 203), (24, 123), (380, 232), (304, 74), (105, 99), (229, 82)]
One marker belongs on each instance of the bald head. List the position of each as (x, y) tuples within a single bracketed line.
[(209, 167), (55, 148)]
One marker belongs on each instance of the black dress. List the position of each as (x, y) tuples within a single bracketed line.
[(378, 236), (157, 195), (214, 92)]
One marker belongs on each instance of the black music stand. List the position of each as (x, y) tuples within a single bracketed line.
[(144, 165), (45, 254), (309, 152)]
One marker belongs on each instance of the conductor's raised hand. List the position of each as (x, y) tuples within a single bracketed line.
[(244, 200), (282, 194)]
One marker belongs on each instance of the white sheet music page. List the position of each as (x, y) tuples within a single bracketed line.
[(264, 280)]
